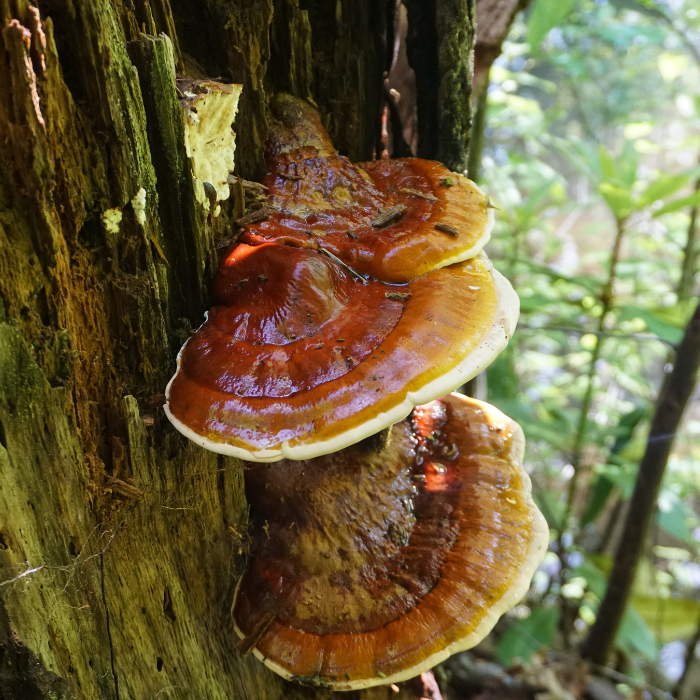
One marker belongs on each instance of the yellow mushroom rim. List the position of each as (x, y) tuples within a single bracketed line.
[(299, 359), (370, 568)]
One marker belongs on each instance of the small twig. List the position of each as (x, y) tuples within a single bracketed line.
[(247, 184), (354, 273), (247, 644), (255, 216), (598, 333), (449, 230), (28, 572), (418, 193), (124, 489), (388, 216)]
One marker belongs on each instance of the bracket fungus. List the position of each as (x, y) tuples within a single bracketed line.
[(354, 298), (298, 358), (371, 567), (355, 295), (391, 219)]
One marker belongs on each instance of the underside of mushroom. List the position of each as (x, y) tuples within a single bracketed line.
[(371, 567)]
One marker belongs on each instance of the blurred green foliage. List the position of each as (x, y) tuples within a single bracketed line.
[(593, 129)]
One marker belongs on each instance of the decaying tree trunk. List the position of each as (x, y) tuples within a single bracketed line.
[(120, 541)]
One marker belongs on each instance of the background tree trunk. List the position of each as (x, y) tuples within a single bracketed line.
[(120, 541)]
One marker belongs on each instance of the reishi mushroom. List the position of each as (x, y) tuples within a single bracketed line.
[(391, 219), (357, 294), (334, 318), (298, 358), (371, 567)]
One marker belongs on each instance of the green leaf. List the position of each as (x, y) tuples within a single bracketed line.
[(658, 326), (620, 473), (677, 315), (607, 164), (595, 578), (534, 427), (691, 201), (603, 485), (664, 187), (617, 198), (552, 506), (628, 164), (588, 282), (627, 426), (602, 488), (545, 15), (635, 636), (534, 302), (673, 515), (525, 637), (502, 380), (674, 618)]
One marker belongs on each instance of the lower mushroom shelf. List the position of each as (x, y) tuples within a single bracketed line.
[(372, 566)]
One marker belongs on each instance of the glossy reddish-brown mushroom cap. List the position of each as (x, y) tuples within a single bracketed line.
[(370, 568), (393, 220), (300, 358)]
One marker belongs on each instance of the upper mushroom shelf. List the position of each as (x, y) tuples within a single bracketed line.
[(298, 358), (390, 219), (370, 568), (359, 293)]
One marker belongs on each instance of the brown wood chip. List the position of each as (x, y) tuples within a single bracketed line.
[(123, 489), (157, 400), (352, 234), (388, 216), (418, 193), (398, 296), (254, 216), (318, 347), (449, 230)]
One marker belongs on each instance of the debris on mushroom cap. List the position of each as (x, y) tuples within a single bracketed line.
[(379, 217), (298, 358), (209, 110), (432, 540)]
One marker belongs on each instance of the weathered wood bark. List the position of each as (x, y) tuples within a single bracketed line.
[(439, 45), (120, 541), (493, 21)]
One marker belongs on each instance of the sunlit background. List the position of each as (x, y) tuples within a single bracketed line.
[(592, 135)]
